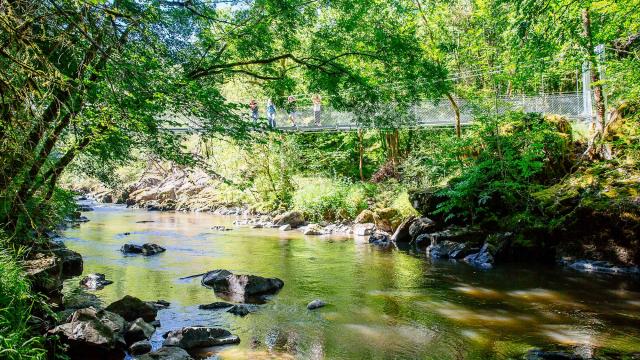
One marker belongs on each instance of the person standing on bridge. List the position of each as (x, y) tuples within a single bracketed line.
[(291, 109), (253, 105), (317, 107), (271, 113)]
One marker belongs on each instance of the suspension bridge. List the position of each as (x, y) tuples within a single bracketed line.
[(575, 106)]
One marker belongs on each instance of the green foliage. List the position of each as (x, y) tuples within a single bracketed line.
[(500, 162), (17, 340), (329, 199)]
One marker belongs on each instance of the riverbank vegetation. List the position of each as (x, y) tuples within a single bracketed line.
[(145, 102)]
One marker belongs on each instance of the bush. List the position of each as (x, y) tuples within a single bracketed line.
[(329, 199), (16, 302)]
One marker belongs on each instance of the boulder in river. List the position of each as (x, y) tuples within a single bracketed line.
[(138, 330), (242, 309), (401, 235), (449, 250), (316, 304), (313, 229), (193, 337), (147, 249), (140, 347), (84, 208), (131, 308), (240, 287), (380, 238), (285, 227), (72, 264), (462, 234), (167, 353), (421, 226), (293, 218), (484, 258), (215, 305), (93, 334), (95, 281)]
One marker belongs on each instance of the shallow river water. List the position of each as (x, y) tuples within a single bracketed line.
[(382, 304)]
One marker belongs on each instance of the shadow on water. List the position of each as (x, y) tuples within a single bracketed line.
[(382, 304)]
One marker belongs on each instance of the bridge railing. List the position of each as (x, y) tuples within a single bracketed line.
[(437, 113)]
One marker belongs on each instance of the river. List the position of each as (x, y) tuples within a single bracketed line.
[(382, 304)]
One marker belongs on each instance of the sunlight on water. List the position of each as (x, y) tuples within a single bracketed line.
[(381, 304)]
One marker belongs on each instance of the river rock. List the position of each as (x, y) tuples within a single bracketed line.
[(285, 227), (45, 274), (313, 229), (167, 353), (366, 216), (598, 266), (242, 309), (551, 355), (147, 249), (138, 330), (93, 334), (198, 337), (160, 304), (84, 208), (387, 219), (293, 218), (459, 235), (316, 304), (364, 229), (220, 228), (140, 347), (449, 250), (482, 259), (401, 235), (242, 287), (215, 305), (421, 226), (380, 238), (72, 264), (131, 308), (95, 281)]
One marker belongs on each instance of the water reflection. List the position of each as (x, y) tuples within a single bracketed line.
[(381, 304)]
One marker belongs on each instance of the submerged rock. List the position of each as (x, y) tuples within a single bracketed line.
[(167, 353), (93, 334), (240, 287), (147, 249), (131, 308), (293, 218), (215, 305), (198, 337), (95, 281), (599, 267), (242, 309), (316, 304)]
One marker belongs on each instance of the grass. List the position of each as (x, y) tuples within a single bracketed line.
[(321, 198), (16, 301)]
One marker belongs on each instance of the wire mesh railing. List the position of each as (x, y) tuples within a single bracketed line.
[(438, 113)]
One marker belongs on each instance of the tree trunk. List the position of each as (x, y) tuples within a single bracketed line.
[(456, 109), (598, 95), (360, 154)]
